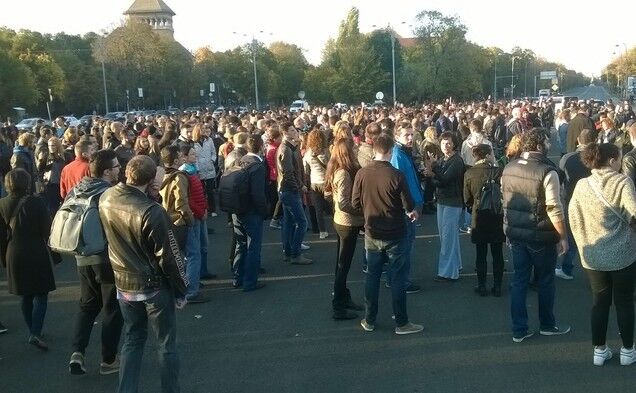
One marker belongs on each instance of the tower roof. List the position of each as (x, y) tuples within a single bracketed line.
[(149, 6)]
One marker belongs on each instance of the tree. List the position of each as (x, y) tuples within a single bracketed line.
[(287, 77), (17, 84)]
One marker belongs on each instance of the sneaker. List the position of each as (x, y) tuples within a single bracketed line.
[(520, 337), (301, 260), (387, 284), (412, 288), (213, 214), (368, 327), (324, 235), (561, 274), (76, 364), (275, 224), (628, 356), (554, 331), (601, 355), (197, 299), (3, 328), (304, 247), (109, 368), (365, 269), (409, 328), (38, 343), (464, 229)]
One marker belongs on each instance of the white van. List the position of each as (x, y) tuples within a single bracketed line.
[(299, 105)]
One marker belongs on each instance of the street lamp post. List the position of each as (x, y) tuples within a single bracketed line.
[(512, 79), (392, 32), (253, 46)]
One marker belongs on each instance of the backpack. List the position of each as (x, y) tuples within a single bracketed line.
[(490, 198), (77, 228), (234, 189)]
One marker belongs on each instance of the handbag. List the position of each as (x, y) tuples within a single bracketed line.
[(600, 196), (14, 216)]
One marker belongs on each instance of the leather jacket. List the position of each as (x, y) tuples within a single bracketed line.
[(143, 252)]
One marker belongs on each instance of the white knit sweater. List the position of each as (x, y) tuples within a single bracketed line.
[(605, 242)]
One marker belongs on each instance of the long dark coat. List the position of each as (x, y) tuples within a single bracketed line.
[(485, 228), (24, 252)]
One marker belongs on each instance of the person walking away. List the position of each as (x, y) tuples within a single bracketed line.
[(487, 225), (149, 273), (96, 278), (78, 169), (602, 217), (562, 131), (25, 224), (381, 192), (574, 170), (534, 224), (315, 165), (580, 122)]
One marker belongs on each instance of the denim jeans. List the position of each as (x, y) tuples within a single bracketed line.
[(526, 256), (562, 137), (410, 240), (567, 263), (34, 311), (193, 257), (294, 223), (159, 312), (393, 252), (450, 257), (204, 249), (248, 231), (98, 293)]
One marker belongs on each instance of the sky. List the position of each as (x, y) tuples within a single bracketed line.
[(581, 37)]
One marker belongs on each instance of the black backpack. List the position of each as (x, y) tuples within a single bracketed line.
[(234, 189), (490, 198)]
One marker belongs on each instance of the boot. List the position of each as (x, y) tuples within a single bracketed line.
[(481, 290), (343, 313), (351, 305), (496, 290)]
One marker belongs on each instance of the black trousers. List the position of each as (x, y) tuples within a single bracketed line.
[(98, 293), (209, 186), (272, 197), (347, 238), (618, 285), (481, 263)]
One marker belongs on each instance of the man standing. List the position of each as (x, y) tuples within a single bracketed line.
[(290, 188), (382, 193), (574, 170), (149, 273), (514, 125), (534, 223), (77, 169), (579, 123), (402, 160), (97, 282), (248, 226)]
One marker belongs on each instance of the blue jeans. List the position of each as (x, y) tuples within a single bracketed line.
[(294, 223), (410, 240), (562, 134), (34, 311), (159, 312), (450, 257), (248, 231), (193, 257), (567, 263), (526, 256), (393, 252)]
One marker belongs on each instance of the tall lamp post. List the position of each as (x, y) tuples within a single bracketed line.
[(390, 30), (253, 46), (100, 53), (512, 78)]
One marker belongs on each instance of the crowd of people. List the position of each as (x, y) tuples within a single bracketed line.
[(481, 168)]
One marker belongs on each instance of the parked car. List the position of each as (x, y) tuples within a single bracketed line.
[(115, 116), (84, 120), (28, 124), (72, 121), (218, 111)]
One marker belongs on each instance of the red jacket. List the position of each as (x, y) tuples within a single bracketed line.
[(270, 157), (72, 174), (196, 198)]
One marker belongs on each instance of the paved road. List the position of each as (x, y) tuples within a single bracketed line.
[(282, 339), (592, 92)]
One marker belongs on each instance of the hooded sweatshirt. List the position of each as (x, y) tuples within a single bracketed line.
[(473, 140)]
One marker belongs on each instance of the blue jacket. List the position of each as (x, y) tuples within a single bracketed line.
[(402, 161)]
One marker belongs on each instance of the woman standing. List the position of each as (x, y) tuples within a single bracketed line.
[(486, 226), (602, 215), (315, 162), (448, 179), (24, 229), (347, 223), (206, 161), (563, 123)]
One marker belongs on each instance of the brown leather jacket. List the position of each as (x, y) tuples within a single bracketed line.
[(142, 250)]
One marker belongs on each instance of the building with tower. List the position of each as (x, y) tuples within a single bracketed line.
[(155, 13)]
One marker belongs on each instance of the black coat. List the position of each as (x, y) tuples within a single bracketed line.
[(24, 252), (486, 228)]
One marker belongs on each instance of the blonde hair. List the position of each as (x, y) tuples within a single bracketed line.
[(27, 139)]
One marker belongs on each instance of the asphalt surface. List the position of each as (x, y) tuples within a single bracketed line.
[(592, 92), (282, 338)]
